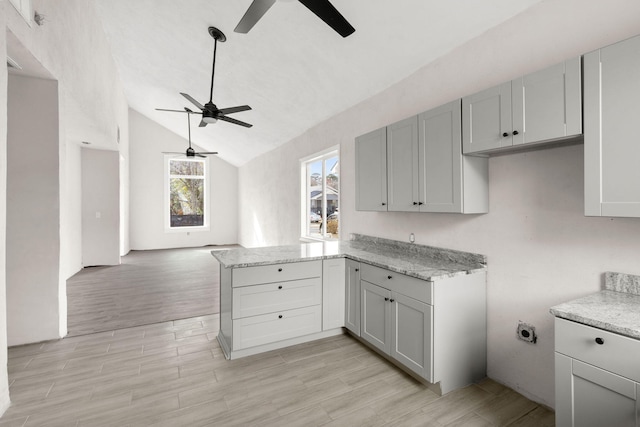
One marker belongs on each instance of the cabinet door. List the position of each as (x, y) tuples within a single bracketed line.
[(371, 171), (587, 396), (440, 159), (486, 119), (352, 297), (333, 293), (375, 316), (402, 165), (547, 104), (411, 334), (611, 111)]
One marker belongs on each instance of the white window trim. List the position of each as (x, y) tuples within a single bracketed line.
[(304, 191), (24, 8), (207, 211)]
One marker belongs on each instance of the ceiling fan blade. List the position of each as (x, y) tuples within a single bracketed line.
[(200, 155), (202, 123), (173, 111), (190, 98), (237, 109), (329, 14), (172, 152), (234, 121), (257, 9), (207, 152)]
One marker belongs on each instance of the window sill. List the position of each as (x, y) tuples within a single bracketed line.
[(186, 229)]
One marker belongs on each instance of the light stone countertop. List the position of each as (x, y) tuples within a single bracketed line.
[(614, 309), (423, 262)]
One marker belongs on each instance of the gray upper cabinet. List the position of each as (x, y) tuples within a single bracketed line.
[(611, 111), (371, 171), (425, 168), (448, 181), (539, 107), (402, 165), (486, 117)]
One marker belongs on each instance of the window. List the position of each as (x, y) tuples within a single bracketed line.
[(321, 195), (186, 193)]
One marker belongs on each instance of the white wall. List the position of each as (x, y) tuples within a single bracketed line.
[(148, 141), (33, 210), (100, 207), (541, 249), (4, 381), (72, 48)]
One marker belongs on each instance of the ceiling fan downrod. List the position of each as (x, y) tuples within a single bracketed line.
[(217, 36)]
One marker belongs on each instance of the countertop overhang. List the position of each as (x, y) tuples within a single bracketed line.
[(614, 309), (420, 261)]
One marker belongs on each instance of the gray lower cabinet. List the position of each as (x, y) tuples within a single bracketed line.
[(435, 329), (398, 326), (597, 377), (542, 106), (611, 111), (271, 306), (352, 296)]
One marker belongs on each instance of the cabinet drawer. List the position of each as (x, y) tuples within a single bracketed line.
[(276, 273), (412, 287), (268, 328), (271, 297), (617, 353)]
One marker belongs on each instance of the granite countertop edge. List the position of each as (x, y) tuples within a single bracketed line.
[(612, 311), (422, 262)]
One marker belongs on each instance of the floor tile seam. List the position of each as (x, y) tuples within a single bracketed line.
[(317, 400), (375, 400), (409, 410), (523, 416)]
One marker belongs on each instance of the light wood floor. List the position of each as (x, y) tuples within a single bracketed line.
[(148, 287), (174, 374), (170, 372)]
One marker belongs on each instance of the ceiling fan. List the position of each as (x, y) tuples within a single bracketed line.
[(190, 151), (322, 8), (210, 112)]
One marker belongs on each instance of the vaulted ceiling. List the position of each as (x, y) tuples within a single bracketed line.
[(291, 68)]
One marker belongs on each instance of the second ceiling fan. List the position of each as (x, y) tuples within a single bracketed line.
[(322, 8), (210, 112)]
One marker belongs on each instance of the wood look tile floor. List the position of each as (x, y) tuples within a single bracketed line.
[(174, 374), (148, 287)]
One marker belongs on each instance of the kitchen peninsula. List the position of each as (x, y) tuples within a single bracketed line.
[(422, 307)]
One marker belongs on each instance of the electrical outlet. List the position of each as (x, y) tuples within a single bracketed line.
[(526, 332)]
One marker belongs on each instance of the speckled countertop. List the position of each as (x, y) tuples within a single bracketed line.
[(614, 309), (423, 262)]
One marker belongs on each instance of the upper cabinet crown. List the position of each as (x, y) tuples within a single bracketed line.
[(611, 111), (539, 107), (416, 165)]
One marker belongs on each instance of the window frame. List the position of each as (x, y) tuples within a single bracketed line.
[(305, 208), (167, 195)]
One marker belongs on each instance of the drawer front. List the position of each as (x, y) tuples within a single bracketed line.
[(278, 296), (617, 353), (268, 328), (412, 287), (276, 273)]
